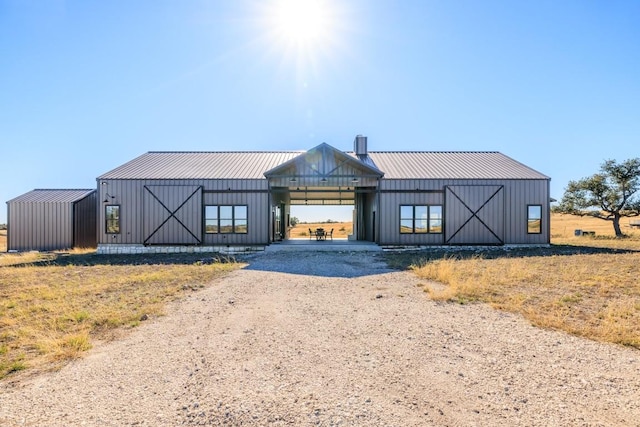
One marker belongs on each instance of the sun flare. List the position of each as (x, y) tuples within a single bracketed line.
[(302, 22)]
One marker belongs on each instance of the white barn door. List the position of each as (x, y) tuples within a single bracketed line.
[(172, 214), (474, 215)]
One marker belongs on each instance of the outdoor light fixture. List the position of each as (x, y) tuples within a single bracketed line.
[(107, 197), (323, 180), (294, 179), (354, 179)]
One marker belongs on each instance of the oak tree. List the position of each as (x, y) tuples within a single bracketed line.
[(609, 194)]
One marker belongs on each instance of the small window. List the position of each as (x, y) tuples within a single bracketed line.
[(420, 219), (112, 215), (226, 219), (534, 219), (211, 219), (435, 219), (240, 219)]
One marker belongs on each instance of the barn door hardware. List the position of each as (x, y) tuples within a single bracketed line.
[(474, 214), (172, 214)]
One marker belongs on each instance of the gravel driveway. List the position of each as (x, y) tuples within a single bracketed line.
[(333, 339)]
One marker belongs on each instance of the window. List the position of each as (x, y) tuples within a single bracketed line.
[(534, 219), (112, 215), (420, 219), (226, 219), (211, 219)]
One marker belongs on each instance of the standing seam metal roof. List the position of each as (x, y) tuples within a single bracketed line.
[(451, 165), (52, 196), (201, 165), (253, 165)]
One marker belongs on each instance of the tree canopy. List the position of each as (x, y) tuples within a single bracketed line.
[(609, 194)]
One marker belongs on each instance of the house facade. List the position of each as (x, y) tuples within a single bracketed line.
[(204, 201)]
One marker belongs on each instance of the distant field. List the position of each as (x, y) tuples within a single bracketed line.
[(340, 229), (563, 226), (3, 240)]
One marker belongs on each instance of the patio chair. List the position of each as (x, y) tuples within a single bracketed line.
[(330, 234), (311, 234)]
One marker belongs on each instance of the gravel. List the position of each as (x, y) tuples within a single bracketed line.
[(332, 339)]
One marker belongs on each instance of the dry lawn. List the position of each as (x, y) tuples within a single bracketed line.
[(3, 240), (53, 306), (587, 286), (340, 229)]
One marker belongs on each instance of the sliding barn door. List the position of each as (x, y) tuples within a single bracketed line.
[(172, 214), (474, 215)]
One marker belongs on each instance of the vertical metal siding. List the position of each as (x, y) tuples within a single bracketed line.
[(172, 214), (129, 194), (474, 215), (517, 195), (41, 226), (84, 222)]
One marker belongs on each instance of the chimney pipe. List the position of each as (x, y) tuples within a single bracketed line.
[(360, 145)]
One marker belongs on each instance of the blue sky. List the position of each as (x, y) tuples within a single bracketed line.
[(88, 85)]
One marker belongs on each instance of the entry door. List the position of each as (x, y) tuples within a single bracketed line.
[(474, 215), (172, 214)]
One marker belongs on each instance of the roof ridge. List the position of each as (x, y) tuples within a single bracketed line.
[(226, 152), (439, 151), (63, 189)]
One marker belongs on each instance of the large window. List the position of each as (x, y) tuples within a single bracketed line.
[(112, 215), (420, 219), (534, 219), (225, 219)]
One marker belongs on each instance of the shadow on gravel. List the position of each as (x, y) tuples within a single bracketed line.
[(322, 264)]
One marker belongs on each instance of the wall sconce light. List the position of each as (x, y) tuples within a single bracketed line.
[(294, 179), (323, 179), (354, 179), (107, 197)]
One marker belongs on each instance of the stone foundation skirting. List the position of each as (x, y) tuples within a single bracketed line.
[(120, 249)]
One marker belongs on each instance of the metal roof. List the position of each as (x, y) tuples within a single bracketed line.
[(253, 165), (201, 165), (52, 196), (451, 165)]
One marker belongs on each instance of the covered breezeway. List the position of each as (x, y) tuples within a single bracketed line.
[(324, 176)]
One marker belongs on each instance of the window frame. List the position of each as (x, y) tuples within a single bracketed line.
[(530, 221), (110, 221), (427, 221), (233, 222)]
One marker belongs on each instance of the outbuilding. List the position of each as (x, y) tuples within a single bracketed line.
[(52, 219), (165, 201)]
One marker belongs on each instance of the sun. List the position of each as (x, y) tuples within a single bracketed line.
[(302, 22)]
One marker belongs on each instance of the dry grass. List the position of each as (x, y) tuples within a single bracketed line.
[(585, 286), (54, 306), (340, 229), (3, 240)]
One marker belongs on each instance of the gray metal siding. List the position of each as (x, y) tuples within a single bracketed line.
[(257, 221), (84, 222), (474, 215), (46, 220), (40, 226), (172, 214), (129, 194), (517, 195), (389, 218)]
